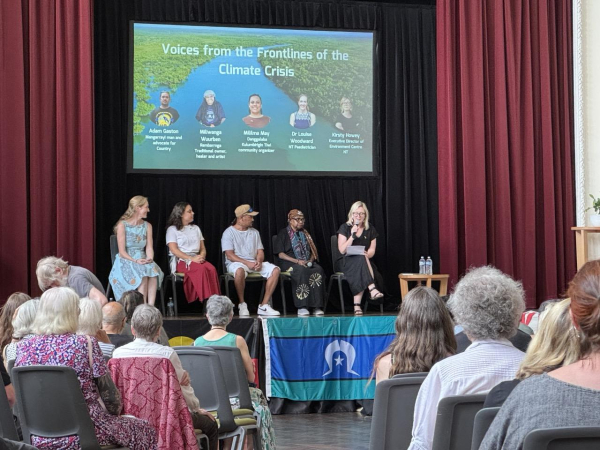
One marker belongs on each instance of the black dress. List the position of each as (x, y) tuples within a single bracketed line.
[(355, 268), (308, 283)]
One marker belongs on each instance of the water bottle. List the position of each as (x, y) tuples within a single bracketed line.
[(422, 265), (170, 309), (429, 266)]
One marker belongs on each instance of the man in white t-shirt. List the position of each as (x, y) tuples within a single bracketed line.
[(244, 253)]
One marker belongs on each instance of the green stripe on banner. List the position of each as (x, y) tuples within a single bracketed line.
[(330, 326), (319, 390)]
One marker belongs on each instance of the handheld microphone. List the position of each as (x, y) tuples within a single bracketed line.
[(309, 264)]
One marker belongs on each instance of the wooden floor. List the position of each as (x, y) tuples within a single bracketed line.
[(334, 431)]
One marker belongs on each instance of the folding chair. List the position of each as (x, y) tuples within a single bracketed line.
[(227, 277), (455, 419), (563, 438)]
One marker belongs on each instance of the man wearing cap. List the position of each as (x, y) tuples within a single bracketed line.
[(244, 253)]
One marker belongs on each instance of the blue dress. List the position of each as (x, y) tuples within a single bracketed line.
[(127, 275)]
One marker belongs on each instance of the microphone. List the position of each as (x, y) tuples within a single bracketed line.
[(309, 264)]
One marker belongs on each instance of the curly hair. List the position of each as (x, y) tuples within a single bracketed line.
[(487, 304), (554, 345), (219, 310), (50, 270), (6, 317), (175, 217), (584, 291), (424, 333)]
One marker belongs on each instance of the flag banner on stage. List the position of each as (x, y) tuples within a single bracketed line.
[(324, 358)]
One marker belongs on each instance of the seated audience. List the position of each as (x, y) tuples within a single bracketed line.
[(145, 326), (567, 396), (7, 316), (113, 321), (424, 336), (520, 340), (54, 272), (488, 305), (131, 300), (56, 344), (90, 324), (219, 312), (554, 346), (22, 322)]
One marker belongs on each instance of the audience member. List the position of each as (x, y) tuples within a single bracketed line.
[(219, 312), (553, 346), (7, 315), (90, 324), (424, 336), (567, 396), (113, 321), (56, 344), (54, 272), (145, 325), (131, 300), (244, 253), (22, 322), (488, 305), (520, 340)]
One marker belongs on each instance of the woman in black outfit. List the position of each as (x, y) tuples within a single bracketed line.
[(359, 270)]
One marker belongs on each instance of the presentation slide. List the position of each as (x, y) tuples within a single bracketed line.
[(255, 100)]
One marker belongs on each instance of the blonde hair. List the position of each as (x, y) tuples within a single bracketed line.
[(24, 319), (138, 200), (49, 270), (345, 99), (353, 208), (90, 316), (554, 345), (58, 312), (6, 316)]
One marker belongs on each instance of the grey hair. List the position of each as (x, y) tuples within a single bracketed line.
[(90, 316), (146, 322), (49, 270), (487, 304), (219, 310), (24, 319)]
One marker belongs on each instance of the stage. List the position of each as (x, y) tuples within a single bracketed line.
[(305, 364)]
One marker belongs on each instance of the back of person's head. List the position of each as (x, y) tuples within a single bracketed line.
[(554, 345), (58, 312), (424, 333), (90, 317), (584, 291), (6, 316), (113, 315), (24, 318), (131, 300), (50, 270), (146, 322), (219, 310), (488, 304)]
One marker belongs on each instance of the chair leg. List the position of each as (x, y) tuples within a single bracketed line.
[(226, 282), (282, 289), (341, 289), (174, 293), (108, 289), (262, 294), (163, 292), (381, 308), (327, 294)]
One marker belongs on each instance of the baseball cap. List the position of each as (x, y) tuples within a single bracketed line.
[(245, 209)]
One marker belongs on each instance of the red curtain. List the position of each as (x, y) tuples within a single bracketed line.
[(47, 153), (505, 140)]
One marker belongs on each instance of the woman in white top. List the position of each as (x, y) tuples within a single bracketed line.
[(188, 254)]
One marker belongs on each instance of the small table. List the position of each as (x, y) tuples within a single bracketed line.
[(581, 241), (419, 279)]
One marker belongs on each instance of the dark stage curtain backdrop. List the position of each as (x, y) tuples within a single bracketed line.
[(505, 130), (46, 157), (402, 199)]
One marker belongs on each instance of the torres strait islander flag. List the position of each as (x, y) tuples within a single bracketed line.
[(324, 358)]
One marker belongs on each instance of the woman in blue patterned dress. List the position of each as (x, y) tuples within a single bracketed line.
[(56, 344), (134, 266)]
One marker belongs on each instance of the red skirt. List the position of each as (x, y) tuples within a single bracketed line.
[(200, 281)]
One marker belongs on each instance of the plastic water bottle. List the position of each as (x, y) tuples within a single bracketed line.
[(422, 265), (429, 266), (170, 309)]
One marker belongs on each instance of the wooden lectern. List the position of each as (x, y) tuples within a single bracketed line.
[(419, 279), (581, 241)]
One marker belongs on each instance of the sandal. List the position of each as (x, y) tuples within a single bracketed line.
[(375, 295), (357, 312)]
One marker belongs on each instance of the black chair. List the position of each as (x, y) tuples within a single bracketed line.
[(114, 251), (481, 424), (283, 276), (227, 277), (455, 419), (51, 404), (208, 381), (393, 412), (173, 277), (563, 438), (8, 430)]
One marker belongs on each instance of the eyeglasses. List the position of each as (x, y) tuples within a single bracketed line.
[(359, 214), (298, 219)]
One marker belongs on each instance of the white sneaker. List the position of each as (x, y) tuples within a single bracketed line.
[(318, 312), (266, 310), (303, 312), (243, 310)]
